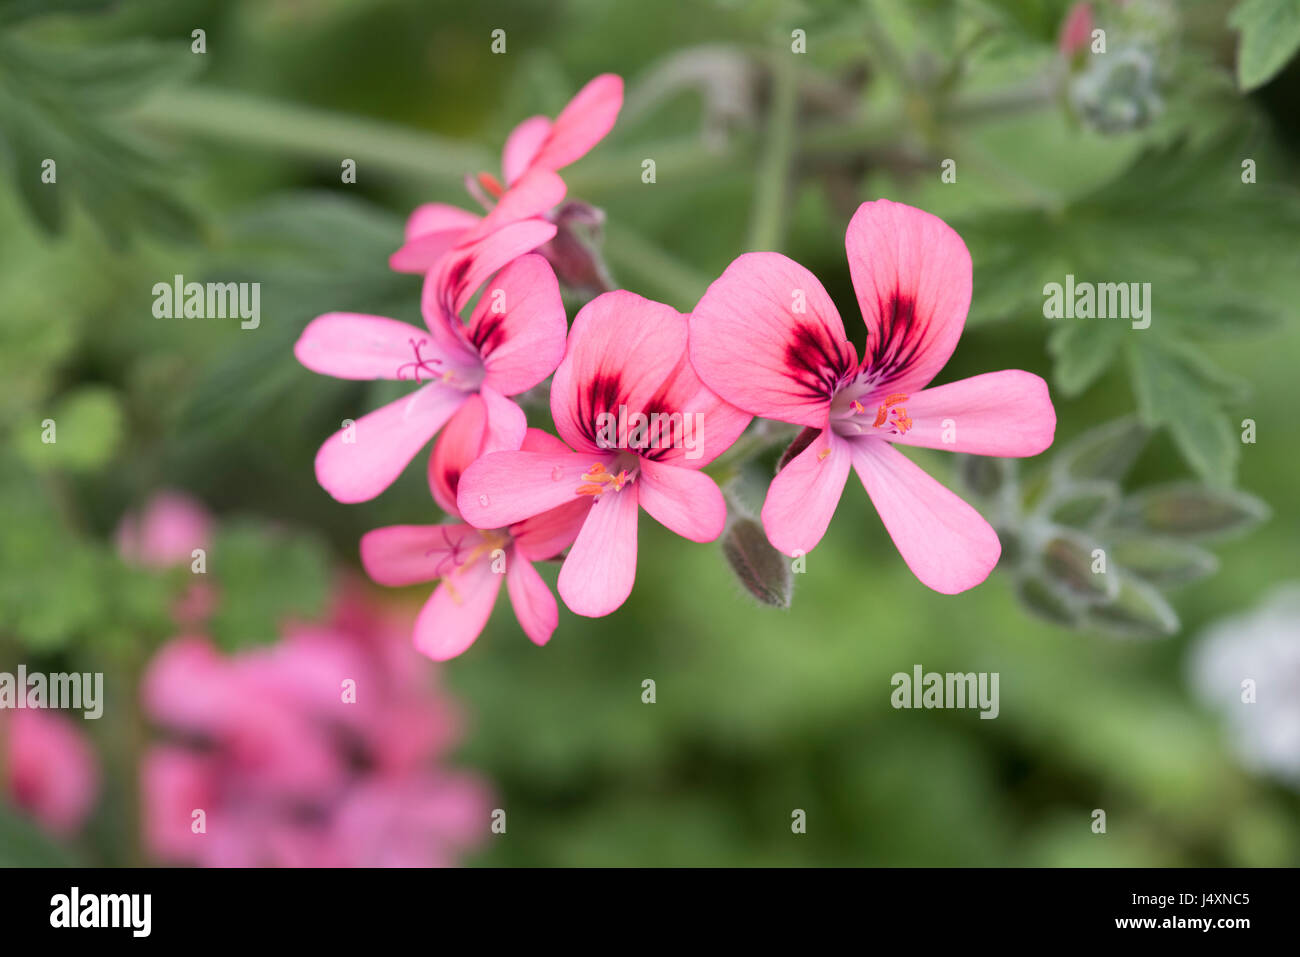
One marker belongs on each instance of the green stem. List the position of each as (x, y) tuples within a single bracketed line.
[(311, 133), (772, 188)]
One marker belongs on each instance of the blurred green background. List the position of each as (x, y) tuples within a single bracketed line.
[(1123, 166)]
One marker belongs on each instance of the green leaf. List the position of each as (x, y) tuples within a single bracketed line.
[(1173, 394), (1190, 510), (24, 844), (1083, 351), (267, 579), (87, 427), (1105, 452), (1270, 34)]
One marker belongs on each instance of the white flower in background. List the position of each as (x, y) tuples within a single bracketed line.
[(1261, 646)]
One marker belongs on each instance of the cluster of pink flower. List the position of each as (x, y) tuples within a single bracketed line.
[(765, 340), (320, 750)]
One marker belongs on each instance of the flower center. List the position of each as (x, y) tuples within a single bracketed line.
[(598, 479), (421, 364), (891, 416), (456, 561)]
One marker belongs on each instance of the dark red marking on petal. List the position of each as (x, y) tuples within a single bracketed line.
[(897, 347), (488, 333), (600, 395), (817, 364)]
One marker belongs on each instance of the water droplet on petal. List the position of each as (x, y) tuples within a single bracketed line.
[(557, 473), (483, 500)]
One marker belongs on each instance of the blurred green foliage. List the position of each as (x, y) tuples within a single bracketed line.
[(759, 710)]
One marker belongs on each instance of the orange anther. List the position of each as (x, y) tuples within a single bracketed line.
[(894, 398), (821, 456), (881, 415), (590, 489), (491, 184)]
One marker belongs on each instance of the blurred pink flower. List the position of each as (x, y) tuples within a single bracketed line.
[(318, 751), (1076, 29), (171, 526), (165, 535), (535, 149), (50, 768)]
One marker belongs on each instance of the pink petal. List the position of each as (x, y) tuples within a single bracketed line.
[(535, 440), (912, 275), (622, 350), (683, 501), (546, 535), (400, 555), (461, 272), (459, 443), (803, 496), (1005, 413), (50, 769), (597, 576), (438, 217), (351, 346), (459, 608), (536, 193), (583, 123), (431, 231), (518, 326), (947, 544), (506, 423), (533, 602), (174, 782), (166, 533), (384, 442), (522, 146), (1076, 29), (507, 487), (767, 339)]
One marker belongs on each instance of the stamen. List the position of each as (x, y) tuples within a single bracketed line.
[(422, 364), (598, 480), (491, 184), (857, 407), (893, 415), (823, 455)]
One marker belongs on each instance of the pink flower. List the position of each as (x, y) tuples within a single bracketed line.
[(50, 769), (626, 358), (767, 338), (514, 339), (1076, 29), (533, 152), (470, 562), (319, 751), (166, 533)]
